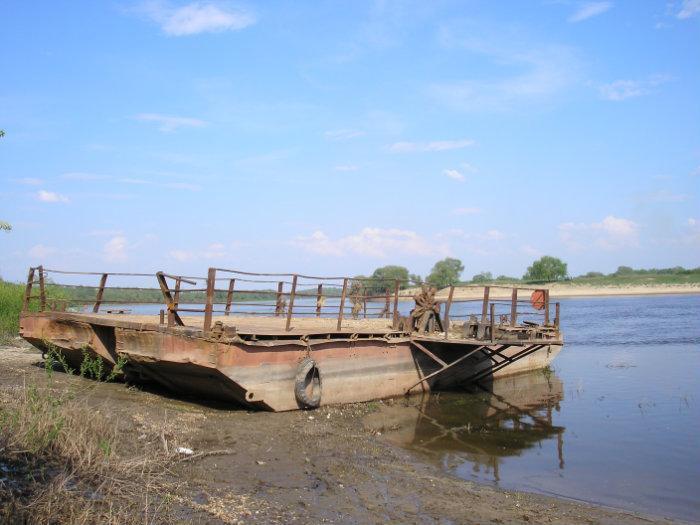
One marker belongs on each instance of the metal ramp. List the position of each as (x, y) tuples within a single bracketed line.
[(493, 352)]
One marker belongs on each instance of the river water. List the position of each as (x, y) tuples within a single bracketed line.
[(615, 422)]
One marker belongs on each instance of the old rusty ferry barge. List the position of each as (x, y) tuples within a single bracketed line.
[(303, 342)]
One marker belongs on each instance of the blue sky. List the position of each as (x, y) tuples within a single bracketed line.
[(336, 137)]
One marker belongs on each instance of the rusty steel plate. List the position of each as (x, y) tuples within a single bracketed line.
[(537, 299)]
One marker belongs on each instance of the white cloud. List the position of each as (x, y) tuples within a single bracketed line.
[(437, 145), (169, 123), (466, 211), (611, 233), (39, 251), (346, 167), (689, 8), (624, 89), (589, 10), (454, 174), (50, 196), (343, 134), (196, 17), (372, 242), (115, 249)]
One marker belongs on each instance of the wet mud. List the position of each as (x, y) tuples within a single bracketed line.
[(332, 465)]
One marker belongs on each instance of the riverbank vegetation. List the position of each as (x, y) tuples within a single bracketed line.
[(63, 462)]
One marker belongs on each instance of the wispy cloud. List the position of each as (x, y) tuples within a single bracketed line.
[(589, 10), (689, 9), (169, 123), (469, 210), (343, 134), (182, 186), (663, 196), (29, 181), (454, 175), (346, 167), (610, 233), (524, 71), (437, 145), (39, 252), (372, 242), (115, 250), (50, 196), (83, 176), (196, 17), (623, 89)]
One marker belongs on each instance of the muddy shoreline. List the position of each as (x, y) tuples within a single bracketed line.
[(323, 466)]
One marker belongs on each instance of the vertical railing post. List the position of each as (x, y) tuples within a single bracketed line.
[(42, 289), (493, 322), (556, 316), (280, 288), (448, 305), (229, 296), (100, 293), (319, 295), (161, 317), (514, 307), (291, 302), (176, 295), (395, 322), (342, 304), (484, 312), (387, 304), (209, 306), (546, 307), (28, 290), (364, 307)]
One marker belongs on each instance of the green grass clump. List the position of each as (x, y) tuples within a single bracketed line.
[(11, 296)]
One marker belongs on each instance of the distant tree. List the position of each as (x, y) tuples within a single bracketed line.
[(385, 278), (483, 277), (445, 273), (590, 275), (624, 270), (546, 268), (415, 279)]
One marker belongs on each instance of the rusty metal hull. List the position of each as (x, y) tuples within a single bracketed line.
[(261, 373)]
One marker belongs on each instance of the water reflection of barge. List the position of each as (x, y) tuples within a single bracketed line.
[(343, 340), (504, 418)]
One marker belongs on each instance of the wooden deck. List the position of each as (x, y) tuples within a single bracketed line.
[(245, 324)]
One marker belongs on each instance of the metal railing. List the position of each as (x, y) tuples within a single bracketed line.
[(289, 295)]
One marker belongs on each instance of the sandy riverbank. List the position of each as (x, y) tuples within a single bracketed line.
[(326, 465)]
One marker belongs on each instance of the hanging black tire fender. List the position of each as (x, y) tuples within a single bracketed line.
[(307, 384)]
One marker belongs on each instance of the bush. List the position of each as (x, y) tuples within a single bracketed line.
[(11, 296)]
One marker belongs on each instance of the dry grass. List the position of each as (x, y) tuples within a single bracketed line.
[(60, 462)]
